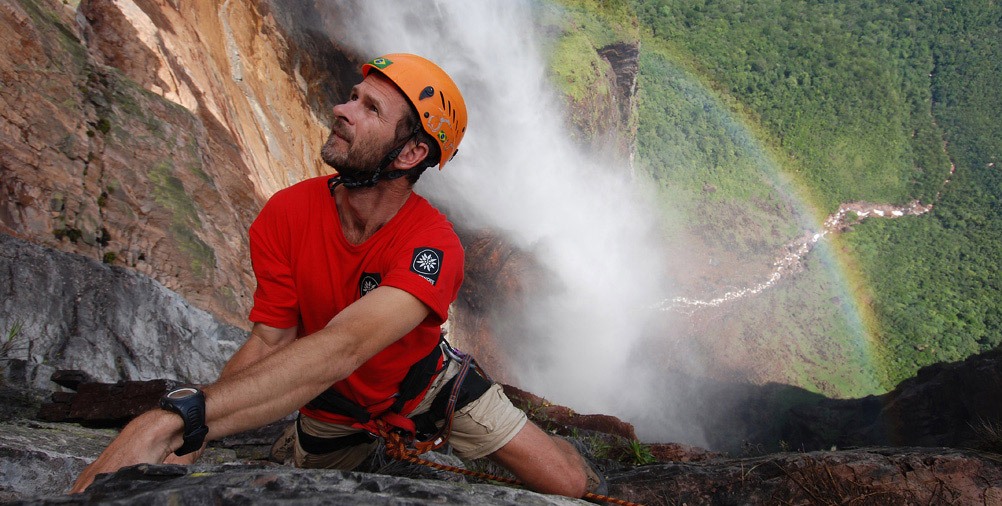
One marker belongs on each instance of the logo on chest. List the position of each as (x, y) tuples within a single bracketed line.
[(368, 282), (427, 263)]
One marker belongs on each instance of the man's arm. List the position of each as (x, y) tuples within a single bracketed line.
[(263, 341), (273, 386)]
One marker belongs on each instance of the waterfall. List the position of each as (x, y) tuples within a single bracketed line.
[(519, 171)]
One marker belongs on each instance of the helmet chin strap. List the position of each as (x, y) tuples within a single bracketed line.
[(356, 181)]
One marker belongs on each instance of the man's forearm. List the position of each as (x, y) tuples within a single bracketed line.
[(249, 397), (262, 341), (266, 389), (285, 380)]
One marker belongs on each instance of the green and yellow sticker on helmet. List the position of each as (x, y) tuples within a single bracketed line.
[(380, 63)]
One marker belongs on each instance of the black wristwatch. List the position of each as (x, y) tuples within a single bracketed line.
[(190, 404)]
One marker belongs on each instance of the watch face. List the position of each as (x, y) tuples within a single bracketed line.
[(181, 393)]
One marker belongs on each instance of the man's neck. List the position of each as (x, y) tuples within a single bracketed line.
[(363, 211)]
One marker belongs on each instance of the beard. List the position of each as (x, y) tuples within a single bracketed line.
[(356, 161)]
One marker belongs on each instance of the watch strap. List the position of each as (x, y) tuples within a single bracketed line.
[(191, 409)]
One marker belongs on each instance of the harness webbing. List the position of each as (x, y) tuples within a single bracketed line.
[(417, 379), (400, 437), (459, 391), (322, 445)]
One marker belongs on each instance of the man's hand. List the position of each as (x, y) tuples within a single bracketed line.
[(147, 439)]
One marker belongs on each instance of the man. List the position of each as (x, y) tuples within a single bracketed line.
[(355, 276)]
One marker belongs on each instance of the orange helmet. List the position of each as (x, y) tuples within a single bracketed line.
[(432, 92)]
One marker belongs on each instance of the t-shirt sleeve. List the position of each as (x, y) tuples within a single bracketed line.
[(275, 301), (429, 266)]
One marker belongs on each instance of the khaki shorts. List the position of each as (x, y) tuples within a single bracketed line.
[(480, 428)]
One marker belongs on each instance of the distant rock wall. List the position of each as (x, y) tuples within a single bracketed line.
[(115, 324), (93, 163)]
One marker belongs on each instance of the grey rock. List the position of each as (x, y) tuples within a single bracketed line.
[(38, 458), (274, 484), (113, 323)]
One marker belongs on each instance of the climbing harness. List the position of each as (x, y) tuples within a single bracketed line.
[(401, 445), (400, 433), (467, 385)]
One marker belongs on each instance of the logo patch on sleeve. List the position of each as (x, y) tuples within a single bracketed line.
[(368, 282), (427, 263)]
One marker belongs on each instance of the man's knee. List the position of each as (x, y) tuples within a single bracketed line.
[(544, 463), (575, 478)]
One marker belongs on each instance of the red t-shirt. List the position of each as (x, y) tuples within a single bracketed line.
[(307, 272)]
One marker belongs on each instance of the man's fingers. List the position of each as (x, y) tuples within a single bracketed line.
[(84, 480), (146, 439), (81, 484)]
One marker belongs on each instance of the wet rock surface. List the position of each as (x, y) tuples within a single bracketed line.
[(866, 476)]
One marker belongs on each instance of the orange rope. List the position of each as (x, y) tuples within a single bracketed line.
[(396, 448)]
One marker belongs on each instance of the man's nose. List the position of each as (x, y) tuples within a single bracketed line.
[(343, 112)]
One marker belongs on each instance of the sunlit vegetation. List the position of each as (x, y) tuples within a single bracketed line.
[(858, 100), (874, 101)]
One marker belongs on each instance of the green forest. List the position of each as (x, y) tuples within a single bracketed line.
[(856, 100)]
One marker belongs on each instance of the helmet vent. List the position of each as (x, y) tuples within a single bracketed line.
[(427, 92)]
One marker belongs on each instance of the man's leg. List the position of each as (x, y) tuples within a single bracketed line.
[(492, 427), (544, 463)]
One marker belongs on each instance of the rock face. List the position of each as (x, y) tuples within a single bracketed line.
[(611, 99), (874, 476), (147, 134), (94, 164), (77, 313), (500, 280), (273, 484), (40, 460)]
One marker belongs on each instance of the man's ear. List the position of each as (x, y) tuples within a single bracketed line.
[(412, 154)]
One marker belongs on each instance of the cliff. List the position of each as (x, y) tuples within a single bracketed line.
[(148, 136)]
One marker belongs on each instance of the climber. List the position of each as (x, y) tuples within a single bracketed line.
[(355, 276)]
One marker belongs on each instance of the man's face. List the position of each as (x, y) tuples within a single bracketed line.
[(364, 128)]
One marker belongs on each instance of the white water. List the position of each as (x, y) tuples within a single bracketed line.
[(519, 171), (796, 251)]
